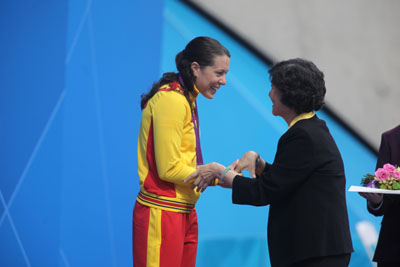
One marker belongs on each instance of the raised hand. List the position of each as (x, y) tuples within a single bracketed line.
[(247, 162)]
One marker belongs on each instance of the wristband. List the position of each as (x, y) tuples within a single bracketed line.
[(223, 174)]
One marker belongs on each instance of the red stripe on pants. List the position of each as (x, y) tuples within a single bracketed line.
[(178, 244), (140, 227)]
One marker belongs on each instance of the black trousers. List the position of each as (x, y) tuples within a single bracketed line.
[(326, 261)]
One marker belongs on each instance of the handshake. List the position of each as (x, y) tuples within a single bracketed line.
[(207, 174)]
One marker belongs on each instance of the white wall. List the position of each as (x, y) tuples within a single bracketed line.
[(356, 43)]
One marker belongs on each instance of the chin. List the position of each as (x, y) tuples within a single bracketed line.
[(208, 96)]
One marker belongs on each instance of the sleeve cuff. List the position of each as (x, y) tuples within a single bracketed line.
[(374, 208)]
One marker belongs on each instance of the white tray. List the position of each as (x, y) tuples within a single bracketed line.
[(364, 189)]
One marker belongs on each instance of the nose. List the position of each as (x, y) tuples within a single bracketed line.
[(223, 80)]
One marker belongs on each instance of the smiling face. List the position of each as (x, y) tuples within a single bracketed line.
[(210, 78)]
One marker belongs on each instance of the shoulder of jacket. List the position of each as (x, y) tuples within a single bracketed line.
[(301, 130), (169, 96), (173, 86), (392, 132)]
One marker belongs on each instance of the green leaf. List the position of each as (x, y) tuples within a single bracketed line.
[(383, 187), (396, 185)]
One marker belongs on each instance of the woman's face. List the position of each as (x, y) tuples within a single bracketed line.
[(209, 79), (278, 108)]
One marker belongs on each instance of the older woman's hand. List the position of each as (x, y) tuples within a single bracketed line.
[(205, 175), (248, 162), (230, 174)]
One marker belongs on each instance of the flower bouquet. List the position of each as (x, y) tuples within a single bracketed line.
[(387, 177)]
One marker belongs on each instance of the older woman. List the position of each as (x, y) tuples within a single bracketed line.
[(305, 185)]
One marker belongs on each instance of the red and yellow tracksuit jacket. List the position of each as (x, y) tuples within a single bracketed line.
[(167, 151)]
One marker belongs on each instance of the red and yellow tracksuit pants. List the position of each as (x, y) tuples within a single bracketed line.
[(164, 238)]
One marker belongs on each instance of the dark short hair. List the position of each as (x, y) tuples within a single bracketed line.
[(300, 84)]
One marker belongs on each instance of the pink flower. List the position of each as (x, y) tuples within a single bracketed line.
[(396, 175), (382, 174), (389, 167)]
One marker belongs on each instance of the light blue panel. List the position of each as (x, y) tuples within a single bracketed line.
[(113, 57), (239, 119), (233, 251)]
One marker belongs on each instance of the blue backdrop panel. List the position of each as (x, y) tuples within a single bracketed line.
[(113, 56), (31, 79), (239, 119), (31, 88), (70, 82)]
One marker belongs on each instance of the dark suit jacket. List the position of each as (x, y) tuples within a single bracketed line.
[(388, 247), (305, 188)]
